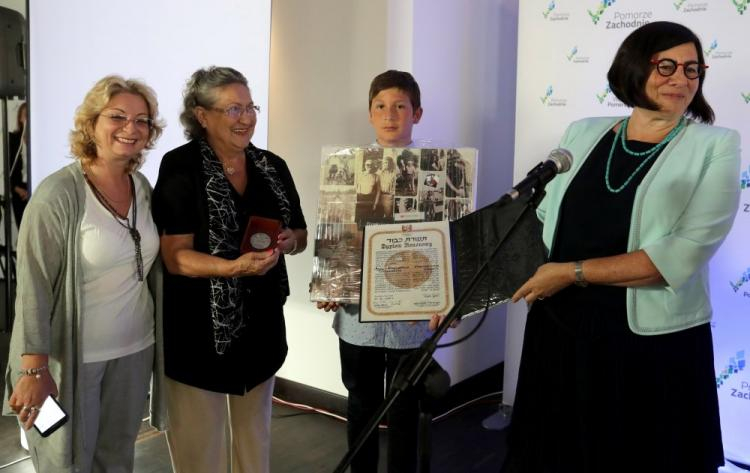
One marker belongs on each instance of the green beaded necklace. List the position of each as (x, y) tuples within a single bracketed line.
[(649, 153)]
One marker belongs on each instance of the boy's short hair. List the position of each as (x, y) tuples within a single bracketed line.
[(396, 79)]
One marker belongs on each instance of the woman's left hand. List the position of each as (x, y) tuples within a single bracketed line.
[(548, 279), (287, 241)]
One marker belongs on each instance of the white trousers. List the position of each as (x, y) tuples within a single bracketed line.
[(198, 421)]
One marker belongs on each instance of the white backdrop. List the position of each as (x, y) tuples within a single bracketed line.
[(565, 49), (74, 43)]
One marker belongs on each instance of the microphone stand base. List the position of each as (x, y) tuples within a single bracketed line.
[(500, 420)]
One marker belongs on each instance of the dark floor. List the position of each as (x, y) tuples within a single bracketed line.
[(305, 442)]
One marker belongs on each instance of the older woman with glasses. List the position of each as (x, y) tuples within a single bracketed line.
[(617, 369), (85, 329), (223, 309)]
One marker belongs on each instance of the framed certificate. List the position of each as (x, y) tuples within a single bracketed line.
[(407, 272)]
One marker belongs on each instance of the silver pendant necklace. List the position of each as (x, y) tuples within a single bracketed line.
[(230, 170)]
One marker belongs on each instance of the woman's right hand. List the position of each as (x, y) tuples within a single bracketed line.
[(29, 394), (548, 279), (256, 263)]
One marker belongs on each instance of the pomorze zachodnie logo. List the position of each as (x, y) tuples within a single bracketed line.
[(558, 16), (549, 9), (572, 53), (603, 95), (745, 96), (550, 101), (597, 12), (606, 97), (621, 19), (574, 57), (744, 279), (547, 95), (711, 48), (692, 7), (736, 364), (741, 5), (713, 53)]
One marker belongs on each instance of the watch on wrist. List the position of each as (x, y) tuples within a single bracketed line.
[(580, 280)]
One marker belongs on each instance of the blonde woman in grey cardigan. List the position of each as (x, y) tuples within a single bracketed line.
[(85, 328)]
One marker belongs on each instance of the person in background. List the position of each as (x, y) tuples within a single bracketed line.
[(387, 188), (406, 181), (617, 370), (368, 191), (223, 311), (370, 352), (17, 143), (87, 327), (455, 176)]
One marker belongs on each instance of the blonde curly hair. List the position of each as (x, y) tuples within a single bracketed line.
[(82, 144)]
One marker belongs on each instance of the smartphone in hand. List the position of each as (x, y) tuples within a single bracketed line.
[(51, 416)]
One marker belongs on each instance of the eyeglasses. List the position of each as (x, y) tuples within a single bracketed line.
[(667, 67), (236, 111), (141, 123)]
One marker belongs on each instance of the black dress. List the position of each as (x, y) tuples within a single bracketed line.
[(180, 207), (592, 396)]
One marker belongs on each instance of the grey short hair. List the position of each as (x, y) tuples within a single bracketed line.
[(199, 92)]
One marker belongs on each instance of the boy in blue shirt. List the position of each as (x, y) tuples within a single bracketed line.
[(370, 352)]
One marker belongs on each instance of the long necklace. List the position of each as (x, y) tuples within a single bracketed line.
[(132, 230), (649, 153)]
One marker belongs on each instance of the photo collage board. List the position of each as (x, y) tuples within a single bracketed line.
[(370, 185)]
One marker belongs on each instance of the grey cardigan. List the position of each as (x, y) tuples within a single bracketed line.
[(48, 301)]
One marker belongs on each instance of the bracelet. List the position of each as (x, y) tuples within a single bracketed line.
[(35, 372), (580, 279), (294, 248)]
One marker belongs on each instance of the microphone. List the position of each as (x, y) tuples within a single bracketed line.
[(558, 162)]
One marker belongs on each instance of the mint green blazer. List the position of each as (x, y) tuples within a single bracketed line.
[(683, 210)]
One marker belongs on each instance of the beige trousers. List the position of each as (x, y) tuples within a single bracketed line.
[(198, 421)]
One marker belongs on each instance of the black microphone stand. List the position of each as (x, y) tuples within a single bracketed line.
[(410, 372)]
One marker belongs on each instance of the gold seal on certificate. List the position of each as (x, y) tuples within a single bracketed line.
[(407, 269), (407, 272), (261, 234)]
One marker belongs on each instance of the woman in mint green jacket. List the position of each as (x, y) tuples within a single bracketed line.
[(617, 367)]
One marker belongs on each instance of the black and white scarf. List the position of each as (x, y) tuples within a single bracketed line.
[(224, 235)]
